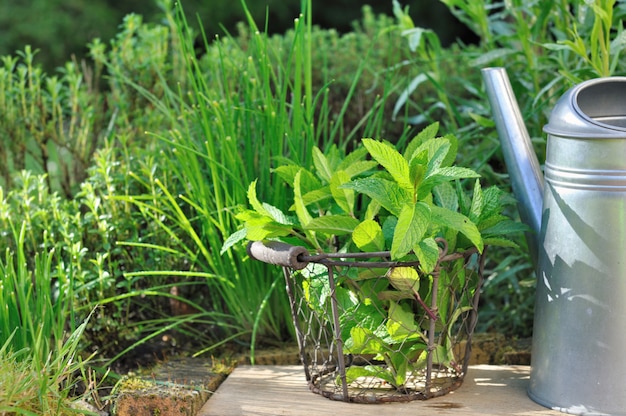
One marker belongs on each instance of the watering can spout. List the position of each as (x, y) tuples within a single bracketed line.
[(519, 155)]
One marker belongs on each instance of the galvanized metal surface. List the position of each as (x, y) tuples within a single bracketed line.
[(519, 156), (580, 313)]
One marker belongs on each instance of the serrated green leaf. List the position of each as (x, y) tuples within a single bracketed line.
[(355, 372), (417, 171), (277, 215), (492, 204), (440, 355), (344, 197), (476, 208), (363, 341), (354, 157), (287, 172), (254, 201), (317, 195), (372, 210), (506, 227), (308, 181), (437, 153), (404, 279), (441, 175), (491, 222), (459, 222), (401, 322), (360, 167), (500, 242), (389, 229), (332, 224), (233, 239), (446, 197), (264, 231), (427, 252), (455, 172), (412, 225), (301, 212), (394, 295), (387, 193), (450, 157), (322, 166), (389, 158), (368, 236), (424, 135)]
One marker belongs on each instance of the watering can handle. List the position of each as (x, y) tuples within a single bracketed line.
[(280, 254)]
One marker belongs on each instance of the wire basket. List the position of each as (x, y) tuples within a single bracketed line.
[(371, 330)]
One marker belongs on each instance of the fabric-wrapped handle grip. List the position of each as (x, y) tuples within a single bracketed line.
[(275, 252)]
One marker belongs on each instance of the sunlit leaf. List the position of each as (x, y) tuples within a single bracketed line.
[(391, 160), (387, 193), (368, 236), (412, 224), (427, 252), (401, 322), (458, 222), (333, 224), (404, 278), (344, 197)]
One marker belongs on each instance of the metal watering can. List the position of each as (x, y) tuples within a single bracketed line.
[(578, 215)]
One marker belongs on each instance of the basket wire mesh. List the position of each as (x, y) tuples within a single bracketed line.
[(363, 340)]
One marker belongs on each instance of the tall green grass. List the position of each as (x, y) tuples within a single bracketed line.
[(39, 337)]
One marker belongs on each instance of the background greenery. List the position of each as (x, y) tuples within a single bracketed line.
[(121, 173), (62, 28)]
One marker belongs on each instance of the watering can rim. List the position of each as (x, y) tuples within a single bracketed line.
[(569, 120)]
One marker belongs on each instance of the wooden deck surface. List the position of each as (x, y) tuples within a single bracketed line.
[(282, 390)]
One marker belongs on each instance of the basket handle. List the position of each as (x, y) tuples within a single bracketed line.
[(276, 252)]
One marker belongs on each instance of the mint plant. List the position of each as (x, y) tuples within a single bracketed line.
[(398, 201), (411, 205)]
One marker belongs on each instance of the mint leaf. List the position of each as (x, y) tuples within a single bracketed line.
[(308, 181), (332, 224), (359, 167), (401, 322), (424, 135), (368, 236), (476, 208), (438, 153), (412, 225), (321, 164), (317, 195), (387, 193), (344, 197), (233, 239), (445, 196), (427, 252), (492, 204), (254, 201), (389, 158), (303, 215), (442, 175), (277, 215), (458, 222), (404, 279)]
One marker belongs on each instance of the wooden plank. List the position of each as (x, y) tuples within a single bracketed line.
[(282, 390)]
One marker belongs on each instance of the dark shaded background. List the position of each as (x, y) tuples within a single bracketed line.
[(62, 28)]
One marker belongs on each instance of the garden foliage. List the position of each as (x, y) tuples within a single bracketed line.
[(122, 175)]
